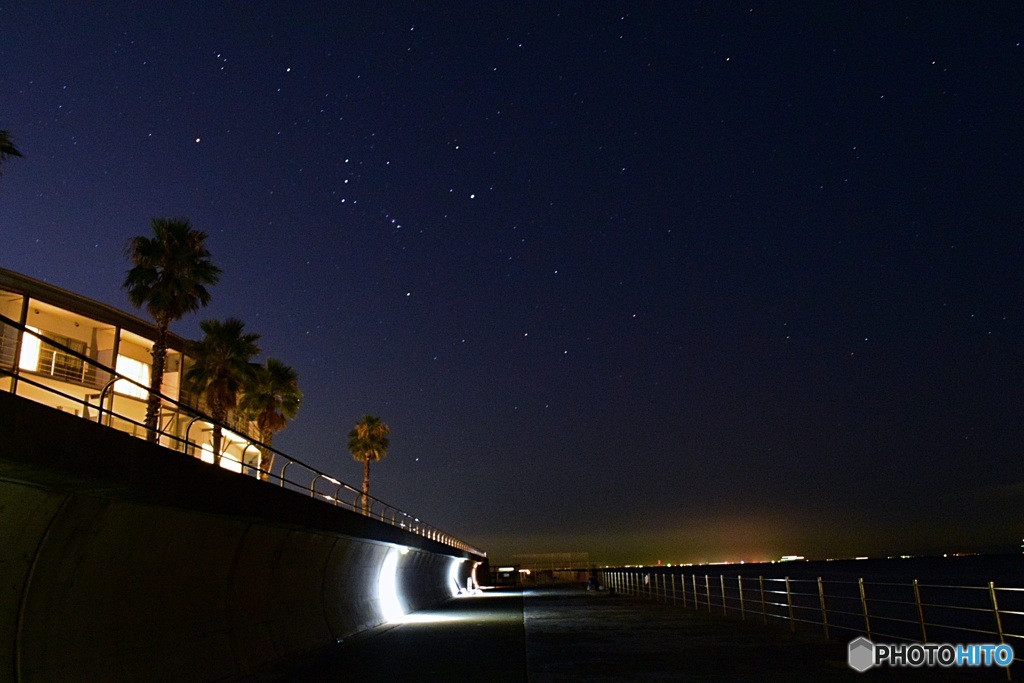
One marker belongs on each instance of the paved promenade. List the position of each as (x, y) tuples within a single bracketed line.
[(556, 635)]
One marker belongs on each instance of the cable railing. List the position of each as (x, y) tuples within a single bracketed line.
[(177, 430), (914, 612)]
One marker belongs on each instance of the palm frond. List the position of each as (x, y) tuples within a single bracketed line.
[(368, 440)]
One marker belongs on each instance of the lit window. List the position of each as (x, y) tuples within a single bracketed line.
[(132, 369), (29, 358), (46, 359), (229, 462)]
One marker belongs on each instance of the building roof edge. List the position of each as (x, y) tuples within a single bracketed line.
[(43, 291)]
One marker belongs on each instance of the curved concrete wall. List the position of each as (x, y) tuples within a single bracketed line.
[(141, 571)]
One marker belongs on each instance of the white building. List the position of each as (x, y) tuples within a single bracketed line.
[(97, 338)]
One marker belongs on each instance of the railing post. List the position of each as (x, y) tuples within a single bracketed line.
[(739, 587), (824, 612), (995, 611), (672, 586), (920, 612), (721, 580), (764, 607), (789, 603), (864, 606), (696, 602), (707, 591), (249, 445), (999, 625), (187, 429), (682, 587), (103, 398)]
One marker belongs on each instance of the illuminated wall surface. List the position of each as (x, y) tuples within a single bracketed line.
[(124, 561)]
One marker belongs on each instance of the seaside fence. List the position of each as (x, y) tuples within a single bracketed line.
[(914, 611)]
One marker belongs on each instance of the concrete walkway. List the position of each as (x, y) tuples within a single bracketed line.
[(560, 635), (479, 639)]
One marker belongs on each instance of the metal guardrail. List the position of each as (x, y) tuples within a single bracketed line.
[(313, 483), (900, 611)]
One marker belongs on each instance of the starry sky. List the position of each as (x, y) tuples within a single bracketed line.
[(692, 281)]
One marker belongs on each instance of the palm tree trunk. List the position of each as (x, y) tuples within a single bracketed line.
[(216, 444), (155, 381), (218, 417), (266, 455), (366, 486)]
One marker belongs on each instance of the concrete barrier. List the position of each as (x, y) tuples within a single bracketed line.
[(124, 561)]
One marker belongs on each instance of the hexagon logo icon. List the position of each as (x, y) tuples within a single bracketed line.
[(861, 655)]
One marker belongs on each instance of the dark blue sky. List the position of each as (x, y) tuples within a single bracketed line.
[(677, 281)]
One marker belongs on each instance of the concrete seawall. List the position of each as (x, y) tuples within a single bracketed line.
[(123, 561)]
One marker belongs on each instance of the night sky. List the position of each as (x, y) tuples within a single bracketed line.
[(655, 281)]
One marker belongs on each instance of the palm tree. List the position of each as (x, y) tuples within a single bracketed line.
[(368, 441), (270, 398), (7, 149), (169, 276), (220, 366)]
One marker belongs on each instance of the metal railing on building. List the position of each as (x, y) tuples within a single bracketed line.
[(914, 611), (176, 431)]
